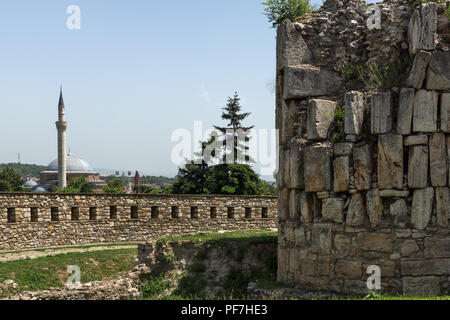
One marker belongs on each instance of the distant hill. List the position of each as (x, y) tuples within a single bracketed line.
[(24, 169)]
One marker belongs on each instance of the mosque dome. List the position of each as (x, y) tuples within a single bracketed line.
[(29, 184), (74, 165), (39, 188)]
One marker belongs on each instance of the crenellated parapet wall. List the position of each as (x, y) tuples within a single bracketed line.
[(30, 220), (363, 174)]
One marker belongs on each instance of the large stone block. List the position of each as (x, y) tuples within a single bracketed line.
[(318, 170), (354, 112), (448, 158), (296, 169), (283, 204), (438, 160), (289, 115), (399, 211), (418, 139), (374, 207), (421, 286), (309, 81), (381, 112), (445, 112), (348, 269), (390, 161), (409, 247), (341, 174), (307, 207), (343, 149), (371, 241), (422, 28), (333, 210), (295, 204), (405, 111), (320, 117), (343, 244), (422, 207), (437, 247), (438, 77), (443, 208), (363, 166), (356, 214), (291, 48), (429, 267), (321, 238), (418, 167), (419, 68), (425, 111), (283, 171)]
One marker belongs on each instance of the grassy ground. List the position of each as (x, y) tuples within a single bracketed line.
[(121, 244), (46, 272), (249, 236)]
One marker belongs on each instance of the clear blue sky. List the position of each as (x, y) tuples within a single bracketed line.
[(136, 71)]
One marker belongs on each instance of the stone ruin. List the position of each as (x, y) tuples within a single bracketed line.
[(372, 189)]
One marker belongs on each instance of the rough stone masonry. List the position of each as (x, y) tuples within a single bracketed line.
[(29, 220), (379, 194)]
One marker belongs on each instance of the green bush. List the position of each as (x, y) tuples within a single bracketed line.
[(278, 10)]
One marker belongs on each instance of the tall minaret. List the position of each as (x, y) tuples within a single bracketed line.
[(61, 126)]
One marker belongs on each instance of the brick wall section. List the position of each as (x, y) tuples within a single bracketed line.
[(381, 196), (154, 217)]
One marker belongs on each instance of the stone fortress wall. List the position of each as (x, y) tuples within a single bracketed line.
[(380, 195), (44, 220)]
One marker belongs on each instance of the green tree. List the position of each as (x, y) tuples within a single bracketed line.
[(115, 186), (239, 179), (78, 185), (190, 179), (278, 10), (232, 114), (10, 181)]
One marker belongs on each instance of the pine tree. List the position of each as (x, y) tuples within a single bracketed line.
[(232, 113)]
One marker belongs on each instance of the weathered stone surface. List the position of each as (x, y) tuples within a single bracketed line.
[(390, 161), (291, 48), (381, 112), (394, 194), (422, 28), (283, 172), (309, 81), (419, 68), (343, 149), (372, 241), (343, 244), (425, 111), (354, 112), (333, 210), (318, 168), (296, 169), (418, 139), (399, 210), (356, 211), (422, 207), (429, 267), (289, 114), (409, 247), (294, 204), (306, 207), (320, 117), (438, 160), (418, 167), (405, 111), (445, 112), (442, 207), (363, 166), (438, 77), (283, 204), (341, 174), (421, 286), (437, 247), (321, 238), (348, 269), (448, 158), (300, 236), (374, 207)]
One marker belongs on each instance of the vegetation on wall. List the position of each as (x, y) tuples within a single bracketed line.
[(114, 186), (338, 130), (10, 180), (278, 10), (23, 170), (77, 185)]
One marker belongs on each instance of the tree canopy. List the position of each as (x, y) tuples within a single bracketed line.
[(77, 185), (10, 180), (114, 186)]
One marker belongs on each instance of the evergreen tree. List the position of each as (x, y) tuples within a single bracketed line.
[(115, 186), (10, 180), (232, 114)]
